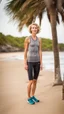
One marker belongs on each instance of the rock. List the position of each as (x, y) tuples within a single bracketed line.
[(9, 48)]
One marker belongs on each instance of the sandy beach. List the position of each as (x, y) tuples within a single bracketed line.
[(13, 90)]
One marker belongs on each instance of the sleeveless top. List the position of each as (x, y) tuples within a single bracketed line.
[(33, 50)]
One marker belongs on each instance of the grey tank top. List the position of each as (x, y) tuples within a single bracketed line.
[(33, 50)]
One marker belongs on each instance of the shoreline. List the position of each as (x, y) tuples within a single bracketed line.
[(48, 61)]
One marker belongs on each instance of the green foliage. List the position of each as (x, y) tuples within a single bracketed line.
[(46, 44), (13, 41), (61, 47), (19, 42), (3, 40)]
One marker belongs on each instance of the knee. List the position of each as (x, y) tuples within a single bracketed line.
[(30, 82), (34, 82)]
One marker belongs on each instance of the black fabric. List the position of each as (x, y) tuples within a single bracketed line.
[(33, 70)]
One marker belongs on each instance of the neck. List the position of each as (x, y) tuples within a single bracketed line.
[(34, 36)]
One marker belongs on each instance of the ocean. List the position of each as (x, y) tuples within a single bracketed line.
[(47, 60)]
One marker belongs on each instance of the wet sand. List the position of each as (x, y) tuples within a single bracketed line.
[(13, 91)]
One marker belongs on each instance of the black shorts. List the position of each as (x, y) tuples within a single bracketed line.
[(33, 70)]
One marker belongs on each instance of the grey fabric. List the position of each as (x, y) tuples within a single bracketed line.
[(33, 50)]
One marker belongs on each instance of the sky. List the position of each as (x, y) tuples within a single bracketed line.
[(8, 27)]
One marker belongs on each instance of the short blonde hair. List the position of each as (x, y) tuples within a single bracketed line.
[(38, 27)]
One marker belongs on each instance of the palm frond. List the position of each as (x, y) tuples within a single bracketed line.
[(40, 18), (60, 8), (26, 11)]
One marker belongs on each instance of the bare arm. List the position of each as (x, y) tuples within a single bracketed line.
[(40, 52), (26, 43)]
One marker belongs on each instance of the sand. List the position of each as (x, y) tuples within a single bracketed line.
[(13, 90)]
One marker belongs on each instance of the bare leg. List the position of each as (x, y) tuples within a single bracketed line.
[(29, 88), (33, 88)]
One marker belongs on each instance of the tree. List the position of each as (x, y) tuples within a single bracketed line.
[(26, 11)]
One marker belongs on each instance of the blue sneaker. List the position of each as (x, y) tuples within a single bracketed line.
[(30, 101), (34, 99)]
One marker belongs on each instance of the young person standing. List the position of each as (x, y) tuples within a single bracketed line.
[(32, 61)]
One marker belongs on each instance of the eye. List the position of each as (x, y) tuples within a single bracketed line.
[(34, 28)]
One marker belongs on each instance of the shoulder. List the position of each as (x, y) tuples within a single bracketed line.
[(39, 39), (27, 39)]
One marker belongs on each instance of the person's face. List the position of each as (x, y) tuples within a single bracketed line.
[(34, 29)]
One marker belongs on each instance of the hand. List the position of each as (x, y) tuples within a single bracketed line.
[(26, 67), (41, 67)]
